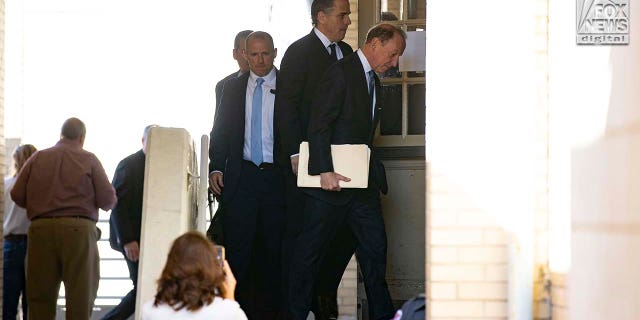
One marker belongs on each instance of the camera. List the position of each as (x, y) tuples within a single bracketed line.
[(220, 252)]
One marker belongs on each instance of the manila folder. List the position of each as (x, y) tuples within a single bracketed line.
[(349, 160)]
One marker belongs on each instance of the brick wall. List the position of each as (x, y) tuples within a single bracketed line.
[(467, 249), (466, 256), (559, 310), (347, 291)]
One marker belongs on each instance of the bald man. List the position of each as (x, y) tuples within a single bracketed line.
[(62, 189)]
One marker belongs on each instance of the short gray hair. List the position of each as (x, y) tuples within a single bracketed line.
[(260, 35), (73, 128)]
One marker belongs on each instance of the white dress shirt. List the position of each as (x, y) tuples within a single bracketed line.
[(268, 98), (326, 42)]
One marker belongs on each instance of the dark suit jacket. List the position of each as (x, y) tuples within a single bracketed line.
[(341, 113), (227, 135), (219, 92), (302, 66), (126, 216), (220, 89)]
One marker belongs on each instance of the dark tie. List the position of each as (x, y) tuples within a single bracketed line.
[(334, 54), (372, 91), (256, 123), (372, 84)]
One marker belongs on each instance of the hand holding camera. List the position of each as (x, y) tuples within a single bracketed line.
[(229, 283)]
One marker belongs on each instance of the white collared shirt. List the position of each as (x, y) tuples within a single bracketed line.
[(268, 98), (367, 68), (326, 42)]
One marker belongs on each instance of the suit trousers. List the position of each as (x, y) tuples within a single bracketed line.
[(339, 250), (127, 306), (293, 225), (253, 225), (62, 249), (364, 217)]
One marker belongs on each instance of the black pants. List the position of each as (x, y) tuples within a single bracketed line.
[(340, 248), (323, 220), (254, 219), (127, 306)]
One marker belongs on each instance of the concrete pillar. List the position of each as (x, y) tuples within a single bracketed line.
[(168, 207), (595, 170)]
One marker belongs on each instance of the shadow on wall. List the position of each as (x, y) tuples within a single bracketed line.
[(605, 201)]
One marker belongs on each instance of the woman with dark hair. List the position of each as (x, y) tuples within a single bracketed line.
[(193, 284), (15, 227)]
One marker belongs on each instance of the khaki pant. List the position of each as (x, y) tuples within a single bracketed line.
[(62, 249)]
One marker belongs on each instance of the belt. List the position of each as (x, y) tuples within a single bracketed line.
[(16, 237), (262, 166), (58, 217)]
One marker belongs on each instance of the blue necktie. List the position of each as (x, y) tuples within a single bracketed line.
[(256, 124)]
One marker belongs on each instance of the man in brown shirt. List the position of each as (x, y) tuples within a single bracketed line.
[(62, 188)]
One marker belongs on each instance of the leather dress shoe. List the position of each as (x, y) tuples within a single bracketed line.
[(325, 307)]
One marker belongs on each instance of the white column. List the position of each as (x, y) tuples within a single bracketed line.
[(481, 147), (168, 208), (595, 168)]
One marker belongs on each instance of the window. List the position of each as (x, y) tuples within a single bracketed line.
[(402, 122)]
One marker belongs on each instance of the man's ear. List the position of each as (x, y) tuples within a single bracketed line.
[(322, 17), (235, 54), (375, 43)]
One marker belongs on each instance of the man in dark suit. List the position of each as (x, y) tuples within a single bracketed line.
[(346, 110), (215, 229), (251, 186), (125, 221), (243, 66), (304, 62)]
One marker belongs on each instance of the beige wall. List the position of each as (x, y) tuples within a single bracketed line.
[(486, 147), (595, 176)]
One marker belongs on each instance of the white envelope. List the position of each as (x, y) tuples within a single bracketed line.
[(349, 160)]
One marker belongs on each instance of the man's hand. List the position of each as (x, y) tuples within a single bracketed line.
[(215, 183), (331, 181), (294, 164), (132, 251)]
